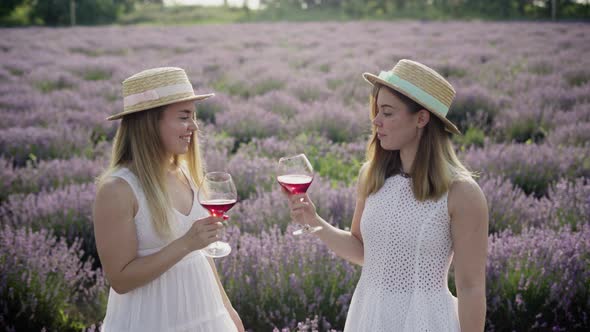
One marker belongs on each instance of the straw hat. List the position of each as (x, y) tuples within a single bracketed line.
[(421, 84), (156, 87)]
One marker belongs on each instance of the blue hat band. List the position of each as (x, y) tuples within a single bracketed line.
[(420, 95)]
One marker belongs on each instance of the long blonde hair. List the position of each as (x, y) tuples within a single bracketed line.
[(138, 146), (435, 167)]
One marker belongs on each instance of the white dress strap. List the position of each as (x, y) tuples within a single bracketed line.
[(126, 174)]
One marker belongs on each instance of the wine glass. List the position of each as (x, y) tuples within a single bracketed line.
[(217, 194), (295, 175)]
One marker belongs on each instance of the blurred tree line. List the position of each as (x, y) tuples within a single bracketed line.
[(65, 12), (93, 12), (496, 9)]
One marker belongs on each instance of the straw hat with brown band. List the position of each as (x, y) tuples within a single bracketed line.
[(156, 87), (421, 84)]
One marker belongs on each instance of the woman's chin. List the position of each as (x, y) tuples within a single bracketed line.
[(181, 150), (387, 147)]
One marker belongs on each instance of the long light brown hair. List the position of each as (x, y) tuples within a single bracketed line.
[(435, 167), (138, 146)]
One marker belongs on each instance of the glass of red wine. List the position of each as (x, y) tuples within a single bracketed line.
[(295, 175), (218, 194)]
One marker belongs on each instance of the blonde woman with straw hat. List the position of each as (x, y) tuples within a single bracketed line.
[(418, 208), (148, 225)]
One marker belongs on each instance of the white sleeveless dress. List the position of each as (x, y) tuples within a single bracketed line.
[(184, 298), (408, 251)]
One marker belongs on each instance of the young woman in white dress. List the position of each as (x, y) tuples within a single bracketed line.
[(417, 210), (148, 224)]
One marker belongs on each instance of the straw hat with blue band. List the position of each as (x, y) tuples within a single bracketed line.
[(421, 84), (156, 87)]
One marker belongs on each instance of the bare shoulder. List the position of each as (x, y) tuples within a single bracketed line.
[(465, 195), (115, 194), (361, 181), (114, 186)]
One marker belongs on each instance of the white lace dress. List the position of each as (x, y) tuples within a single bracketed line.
[(408, 251), (184, 298)]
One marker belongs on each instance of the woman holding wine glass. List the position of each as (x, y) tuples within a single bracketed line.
[(418, 208), (151, 233)]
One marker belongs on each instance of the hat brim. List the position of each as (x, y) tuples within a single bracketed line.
[(373, 79), (195, 98)]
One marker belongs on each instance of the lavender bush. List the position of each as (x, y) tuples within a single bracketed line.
[(508, 205), (539, 280), (22, 144), (309, 325), (274, 278), (44, 283), (532, 167), (67, 212), (267, 210), (566, 205), (338, 162), (49, 174), (282, 89)]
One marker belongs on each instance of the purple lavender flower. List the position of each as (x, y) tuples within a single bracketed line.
[(540, 277), (20, 144), (273, 278), (42, 279), (35, 177), (67, 212), (532, 167)]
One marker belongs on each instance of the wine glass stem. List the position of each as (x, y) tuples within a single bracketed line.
[(217, 244)]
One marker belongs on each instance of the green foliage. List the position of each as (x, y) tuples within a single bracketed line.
[(476, 107), (96, 74), (49, 86), (157, 14), (541, 68), (451, 70), (577, 77), (336, 167), (96, 52), (207, 109), (7, 6), (534, 184), (38, 299), (58, 12), (48, 311), (472, 137), (525, 130)]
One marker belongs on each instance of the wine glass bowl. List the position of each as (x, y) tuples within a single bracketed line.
[(217, 194), (295, 174), (295, 183)]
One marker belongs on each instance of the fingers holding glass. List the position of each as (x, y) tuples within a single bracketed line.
[(218, 194), (295, 175)]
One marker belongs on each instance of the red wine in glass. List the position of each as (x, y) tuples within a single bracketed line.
[(218, 207), (217, 194), (295, 174), (295, 183)]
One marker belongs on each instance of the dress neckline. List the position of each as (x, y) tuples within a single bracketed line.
[(194, 192)]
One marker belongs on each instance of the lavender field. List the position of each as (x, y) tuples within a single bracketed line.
[(523, 103)]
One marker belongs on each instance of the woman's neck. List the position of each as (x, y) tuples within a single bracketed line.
[(408, 153), (407, 157), (171, 164)]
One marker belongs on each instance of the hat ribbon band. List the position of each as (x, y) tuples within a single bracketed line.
[(424, 97), (156, 93)]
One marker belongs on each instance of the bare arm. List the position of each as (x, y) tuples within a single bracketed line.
[(348, 245), (469, 230), (116, 240)]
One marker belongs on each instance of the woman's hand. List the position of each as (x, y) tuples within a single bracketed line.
[(236, 318), (202, 233), (303, 211)]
